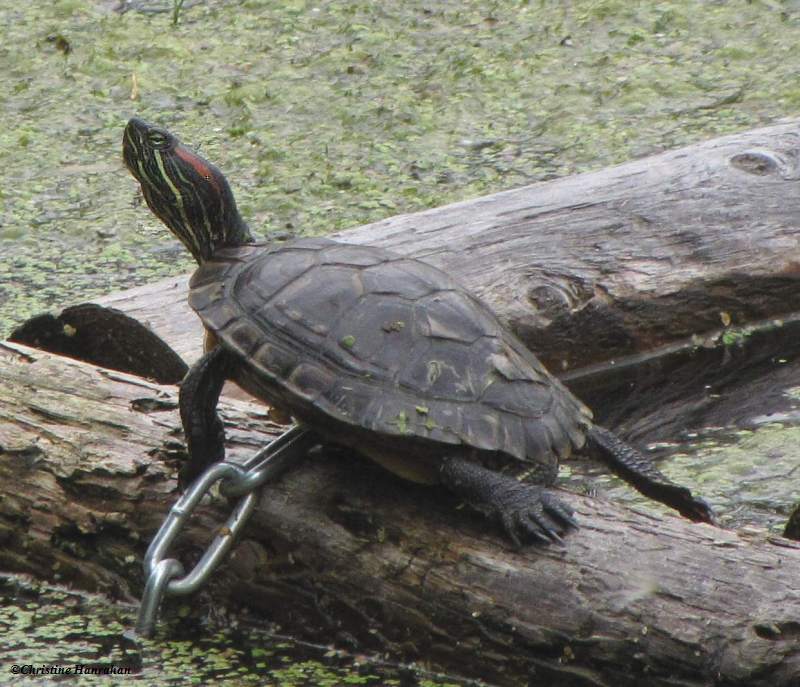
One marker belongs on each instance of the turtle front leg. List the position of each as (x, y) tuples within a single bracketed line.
[(198, 398), (526, 511)]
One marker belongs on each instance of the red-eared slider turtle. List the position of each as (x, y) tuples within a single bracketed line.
[(370, 350)]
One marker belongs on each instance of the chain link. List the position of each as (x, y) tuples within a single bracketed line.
[(167, 576)]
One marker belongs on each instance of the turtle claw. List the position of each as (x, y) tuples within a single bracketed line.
[(539, 527), (535, 516), (511, 529), (551, 534), (560, 509), (527, 512)]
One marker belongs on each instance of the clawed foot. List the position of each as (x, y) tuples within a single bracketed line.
[(529, 513)]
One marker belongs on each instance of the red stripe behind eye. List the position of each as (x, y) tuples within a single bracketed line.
[(198, 164)]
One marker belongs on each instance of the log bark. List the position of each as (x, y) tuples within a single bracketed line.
[(341, 551)]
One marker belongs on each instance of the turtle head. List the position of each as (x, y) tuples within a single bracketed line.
[(187, 193)]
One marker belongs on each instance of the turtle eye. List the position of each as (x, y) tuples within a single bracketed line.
[(157, 139)]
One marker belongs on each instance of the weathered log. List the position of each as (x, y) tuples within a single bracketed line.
[(340, 550), (618, 279), (106, 337), (605, 264)]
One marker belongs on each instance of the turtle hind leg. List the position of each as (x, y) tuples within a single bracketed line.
[(526, 511), (641, 473), (202, 426)]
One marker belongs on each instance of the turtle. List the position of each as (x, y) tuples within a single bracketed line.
[(375, 352)]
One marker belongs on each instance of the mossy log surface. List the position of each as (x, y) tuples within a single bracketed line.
[(341, 551)]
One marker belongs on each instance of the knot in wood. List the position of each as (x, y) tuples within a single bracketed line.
[(761, 163), (557, 295)]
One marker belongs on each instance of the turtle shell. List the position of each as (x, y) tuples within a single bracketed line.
[(370, 347)]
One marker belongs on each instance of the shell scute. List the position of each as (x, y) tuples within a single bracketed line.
[(211, 272), (379, 331), (261, 280), (219, 314), (356, 338), (311, 380), (277, 360), (355, 400), (351, 255), (482, 428), (319, 298), (525, 398), (245, 333), (203, 296), (451, 315), (391, 278)]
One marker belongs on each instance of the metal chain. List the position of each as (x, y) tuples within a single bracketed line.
[(167, 576)]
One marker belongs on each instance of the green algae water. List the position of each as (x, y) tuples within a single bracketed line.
[(54, 636), (326, 115)]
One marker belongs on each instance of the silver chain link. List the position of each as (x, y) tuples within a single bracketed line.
[(167, 576)]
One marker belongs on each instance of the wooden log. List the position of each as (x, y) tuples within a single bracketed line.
[(640, 286), (340, 550), (619, 280), (594, 267)]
